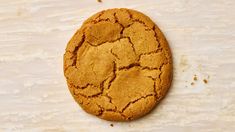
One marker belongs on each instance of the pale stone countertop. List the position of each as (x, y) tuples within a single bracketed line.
[(33, 91)]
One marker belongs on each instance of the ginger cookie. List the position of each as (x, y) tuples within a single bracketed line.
[(118, 65)]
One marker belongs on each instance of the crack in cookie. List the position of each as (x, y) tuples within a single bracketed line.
[(118, 65)]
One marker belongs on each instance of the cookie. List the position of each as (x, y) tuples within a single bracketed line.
[(118, 65)]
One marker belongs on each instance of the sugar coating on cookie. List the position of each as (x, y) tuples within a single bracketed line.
[(118, 65)]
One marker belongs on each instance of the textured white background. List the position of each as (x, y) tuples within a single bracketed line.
[(33, 91)]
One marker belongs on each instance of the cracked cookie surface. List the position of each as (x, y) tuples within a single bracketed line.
[(118, 65)]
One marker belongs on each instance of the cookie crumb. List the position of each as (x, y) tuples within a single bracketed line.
[(195, 78), (99, 1), (205, 81), (192, 83), (111, 125)]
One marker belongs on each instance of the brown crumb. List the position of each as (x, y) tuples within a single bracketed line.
[(99, 1), (195, 78), (111, 125), (192, 83), (205, 81)]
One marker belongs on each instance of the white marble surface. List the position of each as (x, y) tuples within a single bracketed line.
[(33, 92)]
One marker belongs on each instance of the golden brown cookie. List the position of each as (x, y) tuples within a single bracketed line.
[(118, 65)]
